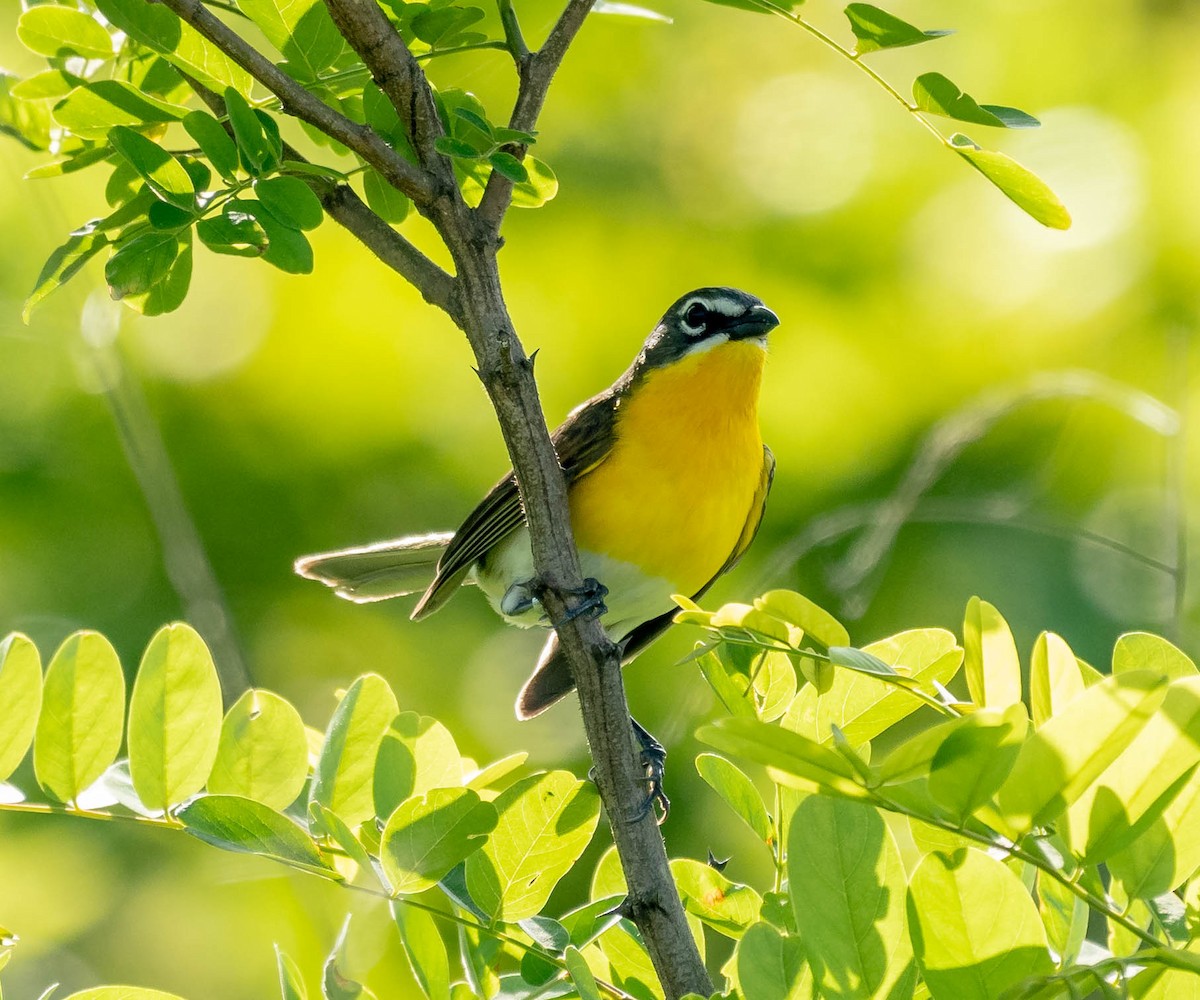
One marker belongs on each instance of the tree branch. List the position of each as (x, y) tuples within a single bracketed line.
[(346, 208), (536, 72), (297, 101), (394, 70)]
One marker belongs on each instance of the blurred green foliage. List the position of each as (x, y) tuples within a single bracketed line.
[(302, 414)]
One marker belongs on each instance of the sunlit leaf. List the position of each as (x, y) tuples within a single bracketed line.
[(83, 712), (545, 823), (66, 261), (1136, 787), (52, 30), (540, 187), (291, 982), (990, 657), (1073, 748), (336, 983), (238, 824), (300, 29), (581, 976), (262, 754), (161, 171), (91, 110), (1143, 651), (877, 29), (1020, 185), (847, 885), (975, 929), (417, 753), (938, 95), (425, 949), (798, 610), (1054, 677), (121, 993), (20, 699), (344, 773), (174, 718), (385, 201), (974, 760), (771, 966), (430, 834), (738, 791), (1064, 915), (725, 906)]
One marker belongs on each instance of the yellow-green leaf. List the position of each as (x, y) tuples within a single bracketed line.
[(20, 699), (263, 752), (991, 664)]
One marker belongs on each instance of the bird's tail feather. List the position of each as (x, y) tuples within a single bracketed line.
[(549, 682), (377, 572)]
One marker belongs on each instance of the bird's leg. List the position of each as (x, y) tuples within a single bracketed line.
[(519, 598), (654, 759)]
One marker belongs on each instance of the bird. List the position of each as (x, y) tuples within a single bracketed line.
[(667, 483)]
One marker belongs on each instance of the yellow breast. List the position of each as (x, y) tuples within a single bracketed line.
[(674, 493)]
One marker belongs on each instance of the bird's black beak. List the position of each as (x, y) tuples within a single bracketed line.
[(757, 321)]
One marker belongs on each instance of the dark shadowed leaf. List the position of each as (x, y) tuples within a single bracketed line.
[(63, 265), (938, 95), (291, 201), (214, 142)]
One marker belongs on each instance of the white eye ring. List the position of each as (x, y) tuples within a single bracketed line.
[(697, 327)]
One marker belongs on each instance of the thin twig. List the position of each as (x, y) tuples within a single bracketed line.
[(513, 36), (536, 71), (297, 101)]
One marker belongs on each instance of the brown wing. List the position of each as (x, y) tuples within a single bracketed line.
[(551, 678), (582, 442)]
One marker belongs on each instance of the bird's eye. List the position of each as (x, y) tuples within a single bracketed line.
[(696, 316)]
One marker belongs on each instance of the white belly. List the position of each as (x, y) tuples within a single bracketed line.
[(633, 597)]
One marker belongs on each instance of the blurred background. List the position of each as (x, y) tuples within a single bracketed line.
[(960, 402)]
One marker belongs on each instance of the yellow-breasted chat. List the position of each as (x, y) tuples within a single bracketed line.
[(667, 480)]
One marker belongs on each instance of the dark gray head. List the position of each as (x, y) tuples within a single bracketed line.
[(704, 318)]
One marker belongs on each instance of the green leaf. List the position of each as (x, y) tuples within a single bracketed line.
[(51, 30), (1073, 748), (739, 793), (975, 929), (263, 751), (860, 660), (425, 949), (167, 217), (257, 152), (497, 771), (541, 187), (160, 30), (83, 710), (46, 84), (976, 758), (798, 610), (771, 966), (301, 30), (1168, 853), (877, 29), (1054, 677), (214, 142), (174, 718), (291, 201), (428, 835), (168, 294), (449, 146), (234, 232), (335, 983), (244, 826), (581, 976), (163, 174), (140, 263), (847, 886), (291, 982), (1143, 651), (91, 110), (62, 266), (1136, 787), (1065, 917), (727, 907), (546, 821), (509, 166), (790, 758), (417, 754), (862, 706), (345, 770), (990, 657), (388, 203), (730, 685), (1020, 185), (20, 699), (939, 96), (287, 248)]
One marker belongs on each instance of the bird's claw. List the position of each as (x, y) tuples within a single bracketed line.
[(654, 760), (591, 604)]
